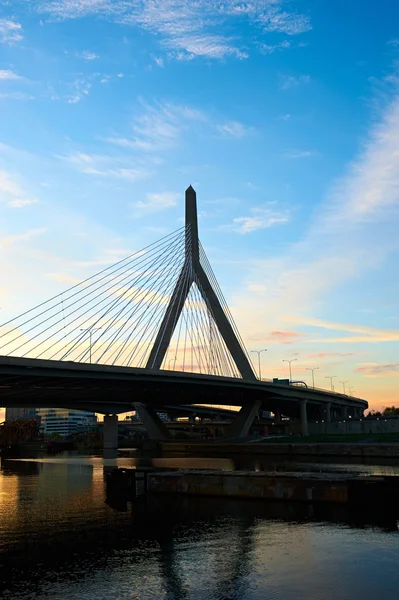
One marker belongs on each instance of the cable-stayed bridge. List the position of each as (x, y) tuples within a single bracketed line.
[(151, 330)]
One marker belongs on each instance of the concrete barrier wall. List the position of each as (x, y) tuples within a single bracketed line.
[(355, 426)]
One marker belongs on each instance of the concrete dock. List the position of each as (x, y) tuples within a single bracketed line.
[(339, 488)]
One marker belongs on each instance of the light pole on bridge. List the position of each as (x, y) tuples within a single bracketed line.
[(174, 365), (331, 380), (289, 362), (259, 352), (90, 331), (352, 387), (313, 370), (343, 385)]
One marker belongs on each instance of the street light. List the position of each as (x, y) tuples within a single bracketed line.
[(313, 370), (331, 380), (171, 361), (259, 352), (343, 384), (290, 361), (352, 387), (90, 331)]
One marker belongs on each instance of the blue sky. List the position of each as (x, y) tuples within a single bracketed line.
[(284, 115)]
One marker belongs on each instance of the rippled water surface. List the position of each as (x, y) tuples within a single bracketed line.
[(63, 537)]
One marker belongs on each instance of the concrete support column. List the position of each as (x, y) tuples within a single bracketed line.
[(328, 412), (153, 424), (277, 416), (344, 412), (304, 416), (239, 428), (110, 437)]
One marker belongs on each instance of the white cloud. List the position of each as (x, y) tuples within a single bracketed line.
[(234, 129), (159, 61), (282, 21), (106, 166), (87, 55), (260, 218), (288, 82), (10, 31), (16, 96), (17, 238), (189, 29), (7, 74), (269, 49), (156, 202), (300, 154), (11, 193), (158, 127)]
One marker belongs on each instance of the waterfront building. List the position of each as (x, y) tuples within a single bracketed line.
[(64, 422)]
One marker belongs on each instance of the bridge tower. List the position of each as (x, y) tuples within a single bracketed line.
[(197, 275)]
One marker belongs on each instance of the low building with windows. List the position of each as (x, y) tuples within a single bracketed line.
[(65, 422)]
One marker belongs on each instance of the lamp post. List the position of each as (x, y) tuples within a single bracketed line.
[(352, 387), (343, 384), (90, 331), (289, 362), (259, 352), (174, 362), (331, 380), (313, 370)]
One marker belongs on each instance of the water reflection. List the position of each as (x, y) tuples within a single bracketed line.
[(78, 541)]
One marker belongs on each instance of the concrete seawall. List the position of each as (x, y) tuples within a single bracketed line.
[(294, 487), (284, 449)]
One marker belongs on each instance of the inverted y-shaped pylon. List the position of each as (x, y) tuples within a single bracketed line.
[(193, 272)]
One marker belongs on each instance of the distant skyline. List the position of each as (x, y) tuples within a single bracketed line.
[(284, 116)]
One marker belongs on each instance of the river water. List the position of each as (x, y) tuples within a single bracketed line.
[(62, 537)]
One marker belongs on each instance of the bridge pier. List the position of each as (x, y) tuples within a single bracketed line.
[(110, 436), (239, 428), (328, 412), (153, 424), (304, 416)]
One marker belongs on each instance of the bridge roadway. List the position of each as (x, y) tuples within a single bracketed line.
[(26, 382)]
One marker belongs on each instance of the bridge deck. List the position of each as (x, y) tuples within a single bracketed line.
[(114, 389)]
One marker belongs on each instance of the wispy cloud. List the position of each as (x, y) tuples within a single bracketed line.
[(376, 370), (16, 238), (87, 55), (323, 355), (234, 129), (7, 74), (260, 218), (300, 154), (289, 82), (158, 126), (11, 193), (105, 166), (365, 334), (16, 96), (155, 203), (190, 29), (10, 31), (270, 49)]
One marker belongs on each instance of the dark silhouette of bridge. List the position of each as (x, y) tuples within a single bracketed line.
[(107, 344)]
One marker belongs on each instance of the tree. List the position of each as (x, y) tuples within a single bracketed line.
[(391, 411)]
